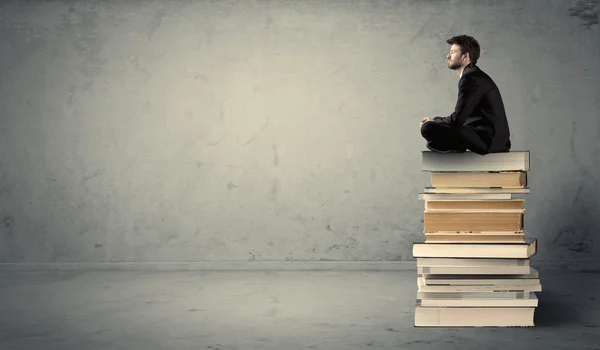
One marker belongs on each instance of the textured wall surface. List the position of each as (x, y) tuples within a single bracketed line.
[(275, 130)]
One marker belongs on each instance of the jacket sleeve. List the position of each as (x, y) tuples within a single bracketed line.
[(468, 97)]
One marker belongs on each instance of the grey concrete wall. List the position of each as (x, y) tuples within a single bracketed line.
[(275, 130)]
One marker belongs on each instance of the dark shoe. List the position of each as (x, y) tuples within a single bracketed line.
[(431, 147)]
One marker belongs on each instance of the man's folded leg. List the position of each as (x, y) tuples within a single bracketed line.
[(445, 138), (441, 138)]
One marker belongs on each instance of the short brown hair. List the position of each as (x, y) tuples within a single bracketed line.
[(467, 45)]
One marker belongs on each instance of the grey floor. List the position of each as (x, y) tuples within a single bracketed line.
[(268, 310)]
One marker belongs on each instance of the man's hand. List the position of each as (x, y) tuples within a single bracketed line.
[(425, 120)]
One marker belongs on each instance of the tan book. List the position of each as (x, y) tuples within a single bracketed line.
[(470, 161), (474, 210), (469, 238), (517, 179), (472, 222), (523, 250), (474, 316), (482, 205)]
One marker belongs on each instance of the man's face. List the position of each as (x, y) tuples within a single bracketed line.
[(455, 58)]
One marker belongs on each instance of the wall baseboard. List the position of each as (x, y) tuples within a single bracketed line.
[(581, 266)]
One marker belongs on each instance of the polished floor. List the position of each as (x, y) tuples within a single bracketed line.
[(268, 310)]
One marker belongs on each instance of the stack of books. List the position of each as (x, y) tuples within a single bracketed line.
[(473, 267)]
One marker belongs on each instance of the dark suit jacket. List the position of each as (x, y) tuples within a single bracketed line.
[(480, 106)]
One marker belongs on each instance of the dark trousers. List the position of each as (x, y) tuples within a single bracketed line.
[(445, 136)]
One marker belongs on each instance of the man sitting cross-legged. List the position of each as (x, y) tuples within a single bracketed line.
[(478, 122)]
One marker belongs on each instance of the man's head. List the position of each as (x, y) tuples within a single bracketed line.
[(464, 50)]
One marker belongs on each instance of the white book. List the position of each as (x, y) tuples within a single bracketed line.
[(513, 250), (501, 299), (422, 286), (466, 262), (530, 279), (462, 196), (474, 316), (471, 161), (473, 270)]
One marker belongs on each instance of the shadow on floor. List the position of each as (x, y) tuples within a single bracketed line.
[(552, 311)]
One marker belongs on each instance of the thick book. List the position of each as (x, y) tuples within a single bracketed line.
[(478, 237), (469, 222), (524, 250), (445, 266), (470, 161), (481, 205), (474, 316)]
